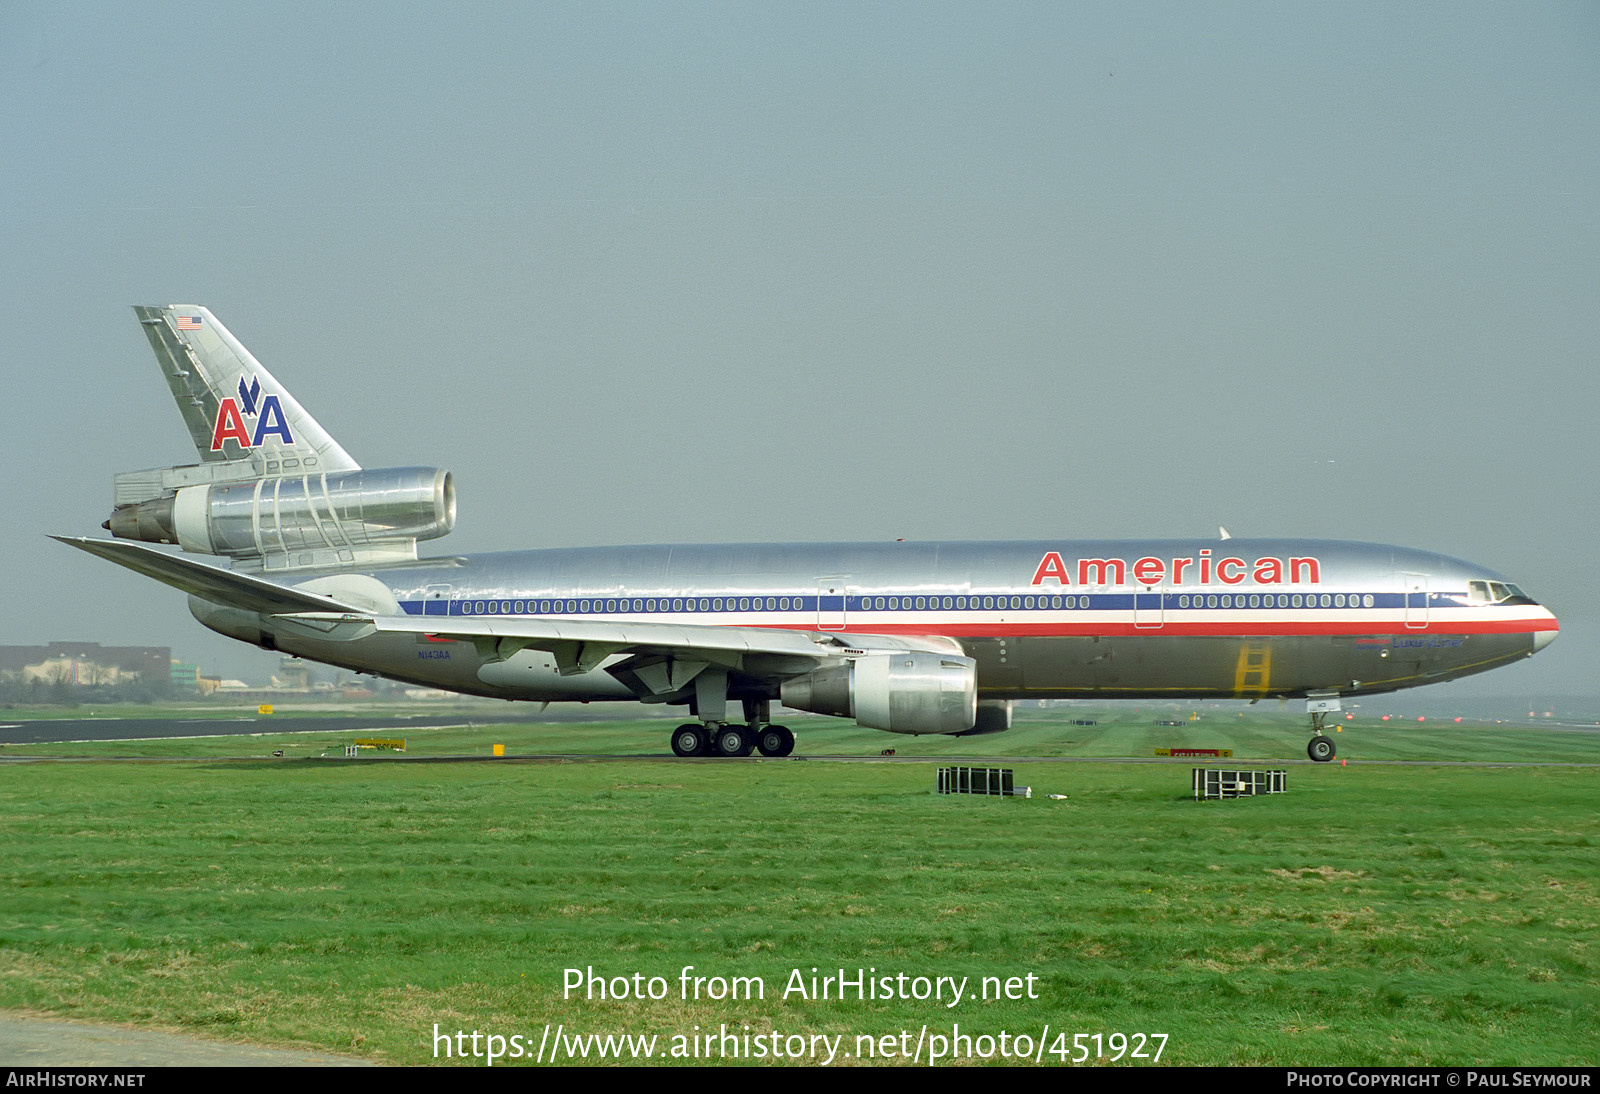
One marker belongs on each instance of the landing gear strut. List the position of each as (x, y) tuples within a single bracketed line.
[(1321, 748)]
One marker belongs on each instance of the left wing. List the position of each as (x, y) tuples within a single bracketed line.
[(581, 645)]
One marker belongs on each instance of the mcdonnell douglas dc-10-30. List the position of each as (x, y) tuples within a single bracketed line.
[(906, 637)]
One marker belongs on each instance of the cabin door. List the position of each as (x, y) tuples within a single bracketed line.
[(832, 601), (1415, 587)]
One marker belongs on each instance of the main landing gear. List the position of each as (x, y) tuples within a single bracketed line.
[(714, 737), (694, 739)]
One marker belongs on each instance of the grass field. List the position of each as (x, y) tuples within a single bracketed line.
[(1373, 914)]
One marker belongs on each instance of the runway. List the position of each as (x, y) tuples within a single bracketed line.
[(70, 730), (84, 730), (558, 758)]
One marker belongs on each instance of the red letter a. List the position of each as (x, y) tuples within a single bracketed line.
[(1051, 566), (229, 424)]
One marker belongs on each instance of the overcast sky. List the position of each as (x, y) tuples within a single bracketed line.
[(704, 272)]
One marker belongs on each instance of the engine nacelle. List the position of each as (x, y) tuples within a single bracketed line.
[(337, 512), (994, 716), (899, 692)]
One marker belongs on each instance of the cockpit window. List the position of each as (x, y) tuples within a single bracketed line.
[(1496, 592)]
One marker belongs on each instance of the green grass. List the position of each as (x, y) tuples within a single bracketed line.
[(1373, 915)]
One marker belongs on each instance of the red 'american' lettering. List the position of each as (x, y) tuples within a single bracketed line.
[(1199, 570)]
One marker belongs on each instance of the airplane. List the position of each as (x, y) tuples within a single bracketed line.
[(912, 638)]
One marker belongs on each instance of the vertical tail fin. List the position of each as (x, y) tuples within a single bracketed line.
[(235, 410)]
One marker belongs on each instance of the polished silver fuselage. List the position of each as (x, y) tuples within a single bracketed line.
[(1118, 619), (904, 637)]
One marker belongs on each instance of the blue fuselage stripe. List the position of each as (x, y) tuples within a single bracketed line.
[(783, 607)]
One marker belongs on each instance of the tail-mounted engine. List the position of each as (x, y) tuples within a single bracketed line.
[(900, 692), (289, 521)]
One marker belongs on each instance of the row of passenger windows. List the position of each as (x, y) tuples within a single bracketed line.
[(1283, 600), (1213, 600), (585, 607), (963, 603), (894, 603)]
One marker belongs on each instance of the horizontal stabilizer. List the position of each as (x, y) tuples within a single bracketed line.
[(225, 587)]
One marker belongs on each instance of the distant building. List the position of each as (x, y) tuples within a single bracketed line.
[(293, 674), (185, 676), (88, 664)]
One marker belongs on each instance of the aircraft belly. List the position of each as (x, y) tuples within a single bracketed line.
[(1136, 665), (1243, 667), (457, 666), (531, 674)]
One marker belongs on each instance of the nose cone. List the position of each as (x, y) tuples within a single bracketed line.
[(1543, 638)]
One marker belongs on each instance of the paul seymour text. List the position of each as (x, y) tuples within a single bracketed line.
[(811, 985)]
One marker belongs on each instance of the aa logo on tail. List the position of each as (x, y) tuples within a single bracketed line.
[(264, 409)]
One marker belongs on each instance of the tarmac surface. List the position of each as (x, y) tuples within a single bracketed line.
[(63, 730), (32, 1041), (71, 730)]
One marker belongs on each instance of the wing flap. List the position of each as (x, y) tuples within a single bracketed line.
[(579, 644), (554, 635)]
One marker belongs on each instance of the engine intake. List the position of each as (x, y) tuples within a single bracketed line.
[(900, 692), (342, 511)]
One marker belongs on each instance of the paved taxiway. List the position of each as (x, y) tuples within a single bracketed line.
[(64, 730), (28, 1040)]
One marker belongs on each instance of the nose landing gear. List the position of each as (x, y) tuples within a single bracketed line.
[(1321, 748)]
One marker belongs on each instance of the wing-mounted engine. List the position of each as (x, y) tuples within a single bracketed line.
[(905, 692), (288, 521)]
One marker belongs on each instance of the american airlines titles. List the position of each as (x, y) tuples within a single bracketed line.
[(1199, 570)]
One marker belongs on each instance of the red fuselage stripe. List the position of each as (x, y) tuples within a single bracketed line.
[(1284, 628)]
